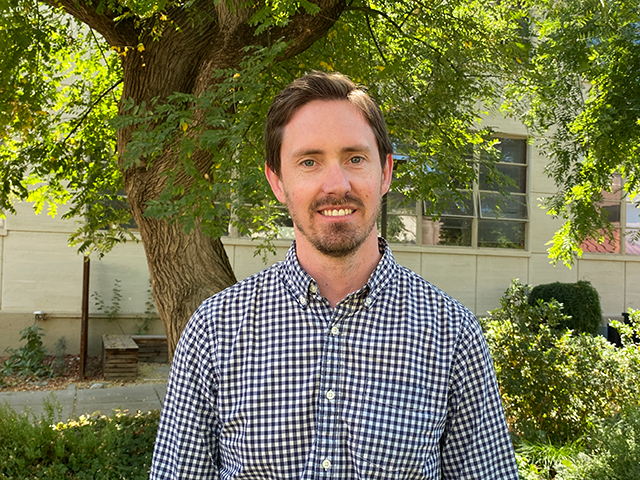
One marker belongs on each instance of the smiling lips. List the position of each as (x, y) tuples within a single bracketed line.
[(337, 213)]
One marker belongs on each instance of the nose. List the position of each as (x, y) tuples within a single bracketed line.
[(336, 181)]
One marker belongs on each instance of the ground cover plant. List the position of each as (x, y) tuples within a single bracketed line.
[(119, 446), (572, 399)]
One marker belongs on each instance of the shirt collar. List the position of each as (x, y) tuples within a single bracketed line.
[(301, 285)]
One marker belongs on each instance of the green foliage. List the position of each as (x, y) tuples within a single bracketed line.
[(579, 91), (119, 446), (555, 384), (429, 67), (59, 366), (27, 361), (150, 314), (580, 301), (59, 86), (609, 451), (537, 461), (111, 310)]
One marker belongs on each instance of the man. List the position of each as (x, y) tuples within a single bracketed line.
[(337, 362)]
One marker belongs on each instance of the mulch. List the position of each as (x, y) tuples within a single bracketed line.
[(60, 380)]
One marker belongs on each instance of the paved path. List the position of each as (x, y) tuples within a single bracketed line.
[(76, 402)]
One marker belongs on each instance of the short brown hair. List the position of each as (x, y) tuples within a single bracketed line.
[(320, 86)]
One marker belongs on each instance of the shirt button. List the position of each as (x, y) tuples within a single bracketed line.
[(326, 464), (313, 288), (367, 301), (303, 300), (335, 331), (331, 395)]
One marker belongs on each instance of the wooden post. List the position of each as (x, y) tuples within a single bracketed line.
[(84, 329)]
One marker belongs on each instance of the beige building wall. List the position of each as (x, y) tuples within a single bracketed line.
[(40, 272)]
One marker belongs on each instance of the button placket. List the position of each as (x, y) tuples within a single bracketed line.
[(329, 424)]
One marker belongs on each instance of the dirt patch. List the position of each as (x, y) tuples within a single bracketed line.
[(70, 374)]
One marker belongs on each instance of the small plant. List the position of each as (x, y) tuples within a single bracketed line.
[(59, 366), (150, 314), (27, 361), (113, 310)]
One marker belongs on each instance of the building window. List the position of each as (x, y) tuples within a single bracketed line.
[(624, 215), (485, 217)]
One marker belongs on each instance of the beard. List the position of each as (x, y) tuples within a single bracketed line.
[(336, 240)]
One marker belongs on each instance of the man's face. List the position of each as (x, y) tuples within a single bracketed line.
[(330, 176)]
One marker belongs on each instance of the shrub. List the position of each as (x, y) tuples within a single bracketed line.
[(27, 361), (580, 301), (609, 452), (93, 447), (555, 384)]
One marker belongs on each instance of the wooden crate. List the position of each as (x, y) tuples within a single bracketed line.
[(152, 348), (119, 357)]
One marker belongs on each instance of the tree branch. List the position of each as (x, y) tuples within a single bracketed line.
[(120, 32), (86, 114), (373, 11)]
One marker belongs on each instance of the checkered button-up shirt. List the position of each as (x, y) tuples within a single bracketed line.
[(270, 382)]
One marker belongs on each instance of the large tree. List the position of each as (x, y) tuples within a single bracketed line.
[(186, 84), (580, 90)]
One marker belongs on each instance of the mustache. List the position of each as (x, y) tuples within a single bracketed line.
[(335, 202)]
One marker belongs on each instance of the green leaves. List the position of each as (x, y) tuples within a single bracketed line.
[(434, 70), (556, 383), (581, 92)]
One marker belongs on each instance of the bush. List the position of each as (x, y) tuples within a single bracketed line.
[(613, 450), (556, 384), (609, 452), (580, 301), (27, 361), (94, 447)]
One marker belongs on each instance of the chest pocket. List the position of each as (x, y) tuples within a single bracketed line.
[(397, 433)]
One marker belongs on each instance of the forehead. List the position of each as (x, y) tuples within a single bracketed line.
[(327, 123)]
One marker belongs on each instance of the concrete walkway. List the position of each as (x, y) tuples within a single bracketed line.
[(76, 402)]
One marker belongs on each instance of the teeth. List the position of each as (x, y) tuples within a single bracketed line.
[(337, 213)]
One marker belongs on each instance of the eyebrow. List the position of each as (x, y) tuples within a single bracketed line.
[(317, 151)]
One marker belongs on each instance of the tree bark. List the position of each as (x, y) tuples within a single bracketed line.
[(186, 268)]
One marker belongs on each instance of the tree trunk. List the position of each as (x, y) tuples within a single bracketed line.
[(186, 268)]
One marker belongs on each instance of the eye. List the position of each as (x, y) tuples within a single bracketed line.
[(356, 159), (308, 162)]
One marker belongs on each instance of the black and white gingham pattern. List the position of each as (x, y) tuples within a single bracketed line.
[(269, 382)]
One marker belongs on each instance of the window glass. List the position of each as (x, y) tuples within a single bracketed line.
[(401, 228), (633, 215), (447, 231), (612, 212), (284, 225), (616, 189), (401, 219), (515, 173), (501, 234), (608, 246), (513, 150), (496, 206), (400, 204), (462, 207), (632, 242)]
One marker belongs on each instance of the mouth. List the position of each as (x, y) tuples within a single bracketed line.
[(341, 212)]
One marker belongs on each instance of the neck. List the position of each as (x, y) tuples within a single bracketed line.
[(338, 277)]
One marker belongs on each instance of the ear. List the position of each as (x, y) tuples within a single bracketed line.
[(387, 173), (276, 183)]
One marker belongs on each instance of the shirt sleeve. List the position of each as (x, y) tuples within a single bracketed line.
[(476, 443), (186, 444)]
